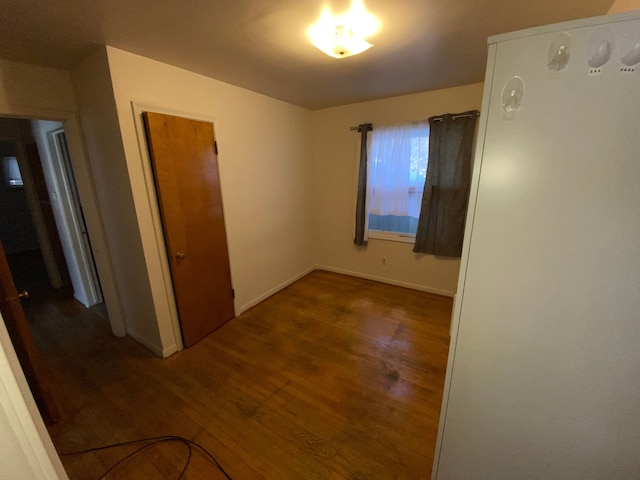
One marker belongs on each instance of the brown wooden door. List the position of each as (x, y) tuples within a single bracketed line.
[(185, 169), (20, 333)]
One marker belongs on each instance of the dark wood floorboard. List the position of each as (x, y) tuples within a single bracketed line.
[(334, 377)]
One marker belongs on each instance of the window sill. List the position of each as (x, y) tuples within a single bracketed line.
[(391, 236)]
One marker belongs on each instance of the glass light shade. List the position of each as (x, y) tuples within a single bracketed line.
[(343, 43), (343, 35)]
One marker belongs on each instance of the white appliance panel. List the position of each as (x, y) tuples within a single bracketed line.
[(545, 381)]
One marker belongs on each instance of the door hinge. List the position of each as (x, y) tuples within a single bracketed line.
[(215, 146), (233, 293)]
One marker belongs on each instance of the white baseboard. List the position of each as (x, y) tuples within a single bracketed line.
[(170, 350), (390, 281), (274, 290), (162, 353), (82, 301)]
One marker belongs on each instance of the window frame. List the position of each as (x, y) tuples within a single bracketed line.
[(392, 236)]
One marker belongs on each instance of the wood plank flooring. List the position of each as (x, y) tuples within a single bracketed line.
[(334, 377)]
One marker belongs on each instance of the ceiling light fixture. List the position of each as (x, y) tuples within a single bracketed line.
[(344, 35)]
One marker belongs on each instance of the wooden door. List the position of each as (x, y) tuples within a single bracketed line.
[(20, 333), (185, 169)]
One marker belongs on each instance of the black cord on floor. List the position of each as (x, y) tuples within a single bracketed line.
[(150, 442)]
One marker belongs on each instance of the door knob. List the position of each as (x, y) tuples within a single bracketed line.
[(23, 294), (180, 255)]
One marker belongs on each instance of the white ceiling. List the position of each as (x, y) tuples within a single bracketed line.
[(261, 44)]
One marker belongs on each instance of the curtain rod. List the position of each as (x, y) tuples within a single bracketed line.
[(464, 115), (437, 119)]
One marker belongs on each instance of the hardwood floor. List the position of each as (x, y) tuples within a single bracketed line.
[(333, 378)]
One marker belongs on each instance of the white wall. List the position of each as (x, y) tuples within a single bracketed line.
[(265, 170), (335, 151), (92, 84), (29, 87)]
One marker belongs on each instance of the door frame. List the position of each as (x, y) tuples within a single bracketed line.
[(71, 216), (88, 197), (157, 253)]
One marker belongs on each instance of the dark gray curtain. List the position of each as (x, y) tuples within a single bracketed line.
[(362, 186), (446, 189)]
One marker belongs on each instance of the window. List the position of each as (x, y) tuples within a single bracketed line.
[(11, 169), (397, 168)]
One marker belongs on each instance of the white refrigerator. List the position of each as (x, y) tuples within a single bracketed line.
[(543, 380)]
